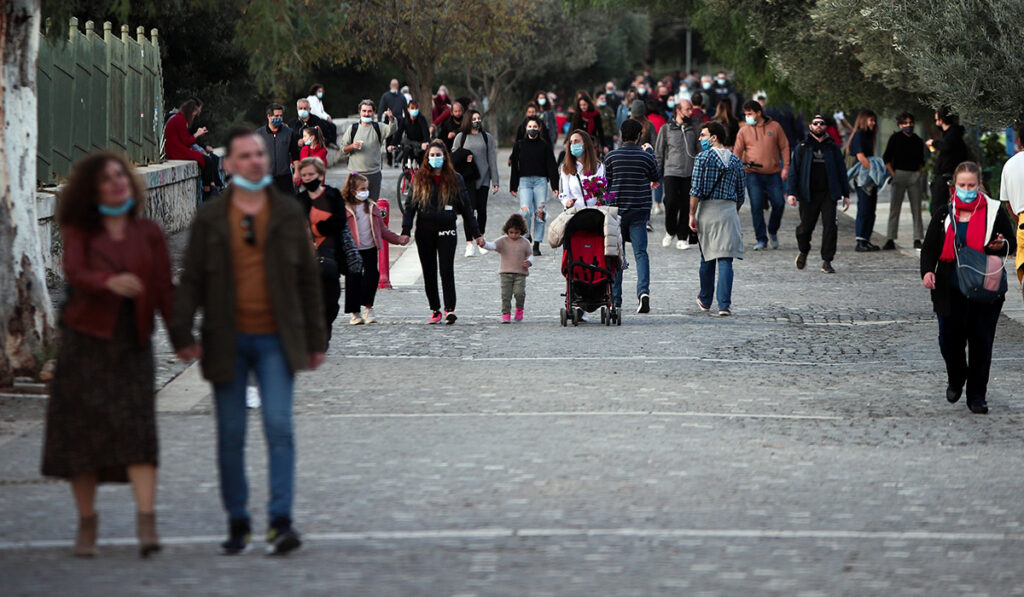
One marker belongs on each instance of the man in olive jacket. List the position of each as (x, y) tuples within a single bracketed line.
[(250, 268)]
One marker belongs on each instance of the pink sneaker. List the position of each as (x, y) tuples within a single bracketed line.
[(506, 318), (519, 314), (435, 317)]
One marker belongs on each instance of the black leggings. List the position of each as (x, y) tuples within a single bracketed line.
[(479, 197), (361, 287), (331, 286), (677, 208), (437, 252)]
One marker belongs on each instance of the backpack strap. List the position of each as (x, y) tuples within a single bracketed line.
[(376, 129)]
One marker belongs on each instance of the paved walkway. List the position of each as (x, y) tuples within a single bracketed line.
[(801, 447)]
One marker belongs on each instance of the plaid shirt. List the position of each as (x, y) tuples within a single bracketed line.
[(706, 169)]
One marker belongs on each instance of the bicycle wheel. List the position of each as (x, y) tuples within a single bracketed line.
[(404, 189)]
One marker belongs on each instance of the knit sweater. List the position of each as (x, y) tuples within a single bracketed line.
[(513, 253)]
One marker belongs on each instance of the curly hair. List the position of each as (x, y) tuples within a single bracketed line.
[(79, 198), (516, 221)]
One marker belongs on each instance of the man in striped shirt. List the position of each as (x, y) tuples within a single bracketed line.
[(632, 173)]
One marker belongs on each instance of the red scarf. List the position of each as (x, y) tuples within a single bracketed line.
[(588, 119), (975, 226)]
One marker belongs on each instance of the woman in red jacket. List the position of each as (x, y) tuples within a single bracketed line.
[(181, 144), (101, 419)]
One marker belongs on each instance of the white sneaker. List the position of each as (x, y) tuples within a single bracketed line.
[(683, 245), (658, 209), (368, 315), (470, 249), (356, 320), (667, 241), (481, 250), (252, 397)]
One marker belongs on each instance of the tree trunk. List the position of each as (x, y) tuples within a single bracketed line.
[(420, 78), (26, 318)]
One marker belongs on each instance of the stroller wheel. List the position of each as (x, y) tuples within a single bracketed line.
[(565, 317), (604, 315), (618, 317), (575, 317)]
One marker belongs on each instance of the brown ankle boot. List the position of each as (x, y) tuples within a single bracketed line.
[(149, 543), (85, 542)]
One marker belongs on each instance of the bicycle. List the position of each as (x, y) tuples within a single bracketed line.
[(403, 192)]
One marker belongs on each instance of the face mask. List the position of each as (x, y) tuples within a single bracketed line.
[(119, 210), (602, 103), (705, 144), (436, 161), (250, 185), (312, 185), (720, 81), (477, 125), (414, 113), (532, 133), (320, 95), (907, 129), (641, 90), (362, 195), (542, 101), (303, 114), (307, 142), (671, 104), (276, 121), (751, 120), (706, 85), (576, 149), (395, 91), (967, 196), (366, 119)]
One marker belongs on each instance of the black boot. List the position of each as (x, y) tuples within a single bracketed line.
[(239, 532), (536, 249)]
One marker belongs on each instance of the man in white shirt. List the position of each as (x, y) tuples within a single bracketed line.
[(1011, 187)]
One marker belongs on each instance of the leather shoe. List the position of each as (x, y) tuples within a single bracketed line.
[(978, 407), (953, 394)]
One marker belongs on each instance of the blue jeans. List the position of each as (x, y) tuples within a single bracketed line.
[(659, 193), (635, 221), (866, 203), (762, 188), (707, 281), (533, 194), (264, 355)]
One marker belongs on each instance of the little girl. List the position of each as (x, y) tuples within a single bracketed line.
[(516, 260), (313, 144), (366, 225)]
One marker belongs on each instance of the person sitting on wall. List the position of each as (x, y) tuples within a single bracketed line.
[(181, 134)]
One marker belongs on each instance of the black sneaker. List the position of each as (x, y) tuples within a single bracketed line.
[(449, 317), (282, 538), (644, 304), (918, 244), (978, 407), (239, 533), (801, 260), (953, 394), (862, 247), (826, 267), (871, 246), (536, 249), (889, 245)]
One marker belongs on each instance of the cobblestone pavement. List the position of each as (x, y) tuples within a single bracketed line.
[(801, 447)]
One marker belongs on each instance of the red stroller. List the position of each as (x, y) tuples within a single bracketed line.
[(588, 271)]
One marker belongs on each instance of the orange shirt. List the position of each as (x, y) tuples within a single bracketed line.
[(253, 314)]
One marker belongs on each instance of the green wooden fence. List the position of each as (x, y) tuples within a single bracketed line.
[(98, 91)]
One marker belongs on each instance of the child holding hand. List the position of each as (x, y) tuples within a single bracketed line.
[(516, 259)]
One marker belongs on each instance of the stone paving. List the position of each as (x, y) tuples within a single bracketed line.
[(801, 447)]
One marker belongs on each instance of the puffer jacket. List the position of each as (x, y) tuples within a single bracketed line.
[(676, 149), (612, 233)]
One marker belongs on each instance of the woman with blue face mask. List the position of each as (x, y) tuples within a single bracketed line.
[(414, 132), (438, 197), (975, 221), (580, 165), (316, 102)]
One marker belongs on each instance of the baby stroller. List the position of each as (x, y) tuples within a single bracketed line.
[(588, 271)]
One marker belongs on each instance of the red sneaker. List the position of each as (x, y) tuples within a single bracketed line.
[(435, 317)]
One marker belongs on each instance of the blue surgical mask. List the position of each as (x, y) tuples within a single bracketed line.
[(319, 95), (414, 113), (276, 121), (720, 81), (303, 114), (120, 210), (705, 144), (576, 149), (366, 119), (436, 161), (671, 104), (967, 196), (251, 185), (706, 84), (751, 120), (307, 142), (542, 101)]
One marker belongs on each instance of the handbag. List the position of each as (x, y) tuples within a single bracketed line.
[(329, 268), (980, 277)]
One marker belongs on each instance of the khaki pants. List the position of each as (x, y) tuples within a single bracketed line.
[(512, 285), (905, 182)]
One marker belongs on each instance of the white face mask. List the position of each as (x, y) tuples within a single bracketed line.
[(362, 195)]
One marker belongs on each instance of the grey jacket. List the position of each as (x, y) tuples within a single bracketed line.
[(676, 148), (485, 156), (282, 147)]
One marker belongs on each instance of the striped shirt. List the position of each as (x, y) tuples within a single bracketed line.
[(630, 172)]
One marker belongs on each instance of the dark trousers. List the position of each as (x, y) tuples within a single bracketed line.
[(969, 325), (819, 205), (331, 286), (361, 287), (940, 195), (867, 201), (437, 254), (479, 197), (211, 170), (677, 208), (284, 184)]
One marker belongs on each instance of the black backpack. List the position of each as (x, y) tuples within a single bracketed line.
[(376, 129)]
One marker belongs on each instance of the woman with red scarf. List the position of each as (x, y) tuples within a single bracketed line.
[(976, 221), (586, 117)]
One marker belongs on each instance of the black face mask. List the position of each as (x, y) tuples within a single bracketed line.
[(687, 120), (532, 133), (477, 125), (312, 185)]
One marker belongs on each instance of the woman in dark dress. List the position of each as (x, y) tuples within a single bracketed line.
[(100, 420)]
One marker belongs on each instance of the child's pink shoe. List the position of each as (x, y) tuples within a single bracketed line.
[(519, 314), (506, 318)]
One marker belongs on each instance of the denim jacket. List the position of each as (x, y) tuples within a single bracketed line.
[(869, 178)]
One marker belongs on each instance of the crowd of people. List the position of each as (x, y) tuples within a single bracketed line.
[(266, 256)]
